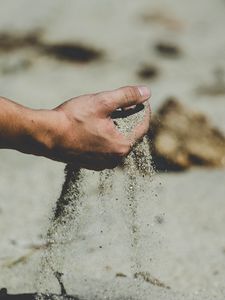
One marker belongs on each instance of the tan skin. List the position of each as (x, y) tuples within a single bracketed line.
[(79, 131)]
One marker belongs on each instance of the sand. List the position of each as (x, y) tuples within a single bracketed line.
[(187, 221)]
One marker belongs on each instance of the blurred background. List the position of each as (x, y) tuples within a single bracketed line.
[(51, 51)]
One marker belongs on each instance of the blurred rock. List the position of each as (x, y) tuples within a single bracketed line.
[(148, 72), (66, 51), (168, 49), (163, 18), (181, 138), (216, 87)]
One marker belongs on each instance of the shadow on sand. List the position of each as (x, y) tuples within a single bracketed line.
[(34, 296)]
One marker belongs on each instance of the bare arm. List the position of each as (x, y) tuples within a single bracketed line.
[(79, 131), (24, 129)]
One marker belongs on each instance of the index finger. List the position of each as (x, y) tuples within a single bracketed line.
[(125, 97)]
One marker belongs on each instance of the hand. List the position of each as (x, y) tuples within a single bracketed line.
[(79, 131), (87, 135)]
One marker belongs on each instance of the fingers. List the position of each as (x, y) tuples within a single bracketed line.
[(124, 97), (141, 129)]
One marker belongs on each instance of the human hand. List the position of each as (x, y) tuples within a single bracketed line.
[(80, 131), (86, 134)]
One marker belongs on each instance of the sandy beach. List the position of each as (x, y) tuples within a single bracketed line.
[(184, 244)]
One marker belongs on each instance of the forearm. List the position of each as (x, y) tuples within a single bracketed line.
[(24, 129)]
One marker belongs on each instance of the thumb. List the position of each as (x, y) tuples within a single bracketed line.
[(124, 97)]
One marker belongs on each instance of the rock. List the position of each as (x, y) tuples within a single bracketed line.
[(181, 138), (216, 87), (168, 50), (148, 72)]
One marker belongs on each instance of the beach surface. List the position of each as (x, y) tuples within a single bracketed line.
[(184, 246)]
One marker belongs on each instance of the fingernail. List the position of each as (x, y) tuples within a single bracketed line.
[(129, 107), (144, 91)]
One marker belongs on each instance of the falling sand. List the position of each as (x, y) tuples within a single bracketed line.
[(118, 195)]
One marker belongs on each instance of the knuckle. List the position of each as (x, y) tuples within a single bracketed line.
[(100, 98), (103, 101)]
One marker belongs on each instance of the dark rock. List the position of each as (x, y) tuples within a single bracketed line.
[(72, 52), (10, 41), (120, 274), (69, 51), (148, 72), (168, 49)]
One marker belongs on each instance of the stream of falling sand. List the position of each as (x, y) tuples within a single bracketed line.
[(70, 210)]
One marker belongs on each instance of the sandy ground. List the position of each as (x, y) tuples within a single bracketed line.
[(188, 247)]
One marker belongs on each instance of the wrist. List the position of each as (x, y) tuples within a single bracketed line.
[(30, 131), (41, 132)]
